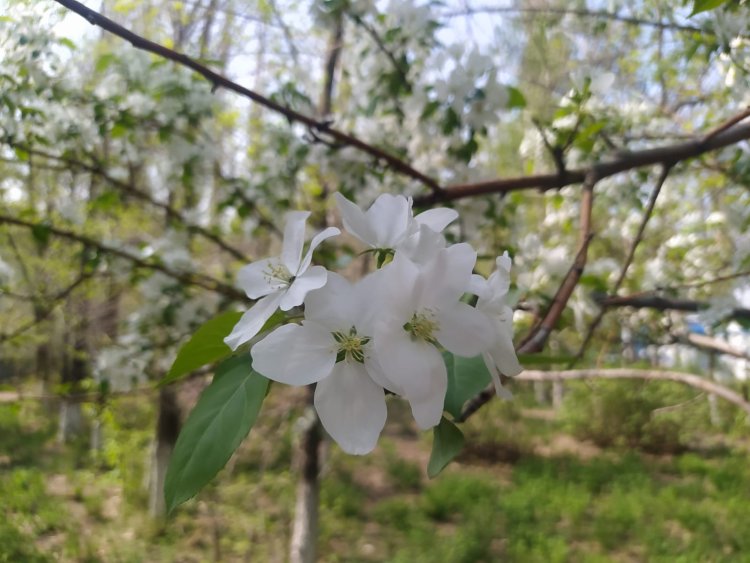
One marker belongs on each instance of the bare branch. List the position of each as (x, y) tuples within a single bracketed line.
[(649, 375), (188, 278), (652, 301), (626, 265)]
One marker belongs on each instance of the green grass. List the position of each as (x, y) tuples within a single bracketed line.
[(507, 499)]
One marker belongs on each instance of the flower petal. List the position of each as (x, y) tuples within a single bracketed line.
[(464, 330), (478, 286), (415, 366), (334, 305), (295, 354), (437, 219), (314, 243), (500, 391), (355, 220), (255, 279), (447, 276), (253, 320), (351, 407), (428, 410), (389, 219), (502, 350), (294, 239), (314, 278)]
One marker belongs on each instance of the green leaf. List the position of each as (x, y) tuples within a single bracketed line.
[(705, 5), (446, 444), (41, 234), (515, 98), (68, 43), (225, 413), (205, 346), (103, 62), (466, 378)]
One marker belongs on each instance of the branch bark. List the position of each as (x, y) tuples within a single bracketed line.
[(649, 375)]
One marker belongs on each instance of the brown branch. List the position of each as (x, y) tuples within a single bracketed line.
[(137, 193), (659, 303), (626, 265), (597, 14), (649, 375), (728, 124), (537, 338), (623, 162), (220, 81), (188, 278), (43, 311), (718, 279), (712, 344)]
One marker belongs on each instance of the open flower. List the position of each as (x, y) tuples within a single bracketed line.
[(388, 225), (333, 348), (501, 357), (282, 281), (421, 309)]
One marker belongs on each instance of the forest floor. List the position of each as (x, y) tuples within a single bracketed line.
[(526, 488)]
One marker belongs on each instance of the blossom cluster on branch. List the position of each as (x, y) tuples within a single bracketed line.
[(385, 332)]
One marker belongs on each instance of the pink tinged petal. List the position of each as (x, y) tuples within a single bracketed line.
[(315, 243), (294, 239), (314, 278), (389, 219), (502, 350), (500, 391), (334, 305), (295, 354), (437, 219), (351, 407), (428, 410), (463, 330), (254, 279), (252, 321), (415, 366), (355, 220)]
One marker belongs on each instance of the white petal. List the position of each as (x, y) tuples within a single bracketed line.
[(437, 219), (478, 286), (502, 350), (334, 305), (397, 285), (428, 410), (447, 277), (355, 220), (500, 391), (254, 279), (463, 330), (315, 243), (295, 354), (375, 370), (351, 407), (314, 278), (415, 366), (294, 239), (423, 245), (389, 218), (253, 320)]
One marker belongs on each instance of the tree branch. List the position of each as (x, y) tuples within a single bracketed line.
[(649, 375), (623, 162), (626, 265), (651, 301), (137, 193), (220, 81), (188, 278)]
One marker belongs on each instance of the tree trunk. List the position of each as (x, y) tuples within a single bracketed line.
[(305, 529), (167, 429)]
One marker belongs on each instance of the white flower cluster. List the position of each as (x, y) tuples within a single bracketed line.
[(384, 332)]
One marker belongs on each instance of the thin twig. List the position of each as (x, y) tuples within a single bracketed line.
[(729, 123), (626, 265), (188, 278)]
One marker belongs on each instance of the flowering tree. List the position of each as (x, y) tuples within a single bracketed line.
[(150, 177)]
